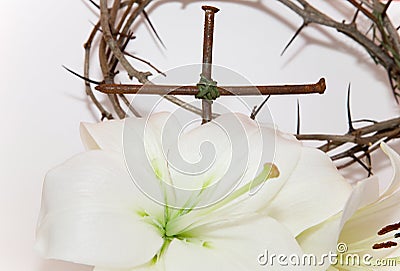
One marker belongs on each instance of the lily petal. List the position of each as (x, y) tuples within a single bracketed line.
[(90, 214), (221, 155), (394, 157), (331, 268), (323, 238), (234, 246), (106, 135), (285, 151), (145, 267), (314, 192), (145, 158)]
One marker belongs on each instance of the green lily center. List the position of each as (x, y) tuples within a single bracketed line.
[(181, 224)]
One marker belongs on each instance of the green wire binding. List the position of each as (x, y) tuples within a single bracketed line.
[(207, 89)]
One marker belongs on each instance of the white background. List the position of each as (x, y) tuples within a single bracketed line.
[(42, 105)]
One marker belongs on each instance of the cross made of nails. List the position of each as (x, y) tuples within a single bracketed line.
[(206, 89)]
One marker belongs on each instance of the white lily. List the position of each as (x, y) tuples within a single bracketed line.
[(93, 213), (364, 235)]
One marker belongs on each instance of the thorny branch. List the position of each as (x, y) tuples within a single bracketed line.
[(363, 141), (382, 43), (358, 143), (114, 29)]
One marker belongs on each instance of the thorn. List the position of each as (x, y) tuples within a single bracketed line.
[(355, 158), (94, 4), (146, 62), (298, 117), (153, 28), (386, 8), (255, 111), (355, 16), (374, 37), (369, 29), (365, 120), (294, 36), (129, 36), (349, 120), (82, 77), (393, 87), (329, 143), (369, 162)]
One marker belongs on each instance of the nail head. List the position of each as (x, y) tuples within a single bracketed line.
[(211, 8)]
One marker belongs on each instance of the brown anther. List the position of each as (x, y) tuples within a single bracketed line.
[(389, 228), (388, 244)]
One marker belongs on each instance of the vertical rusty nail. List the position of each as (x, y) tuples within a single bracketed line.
[(207, 56)]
